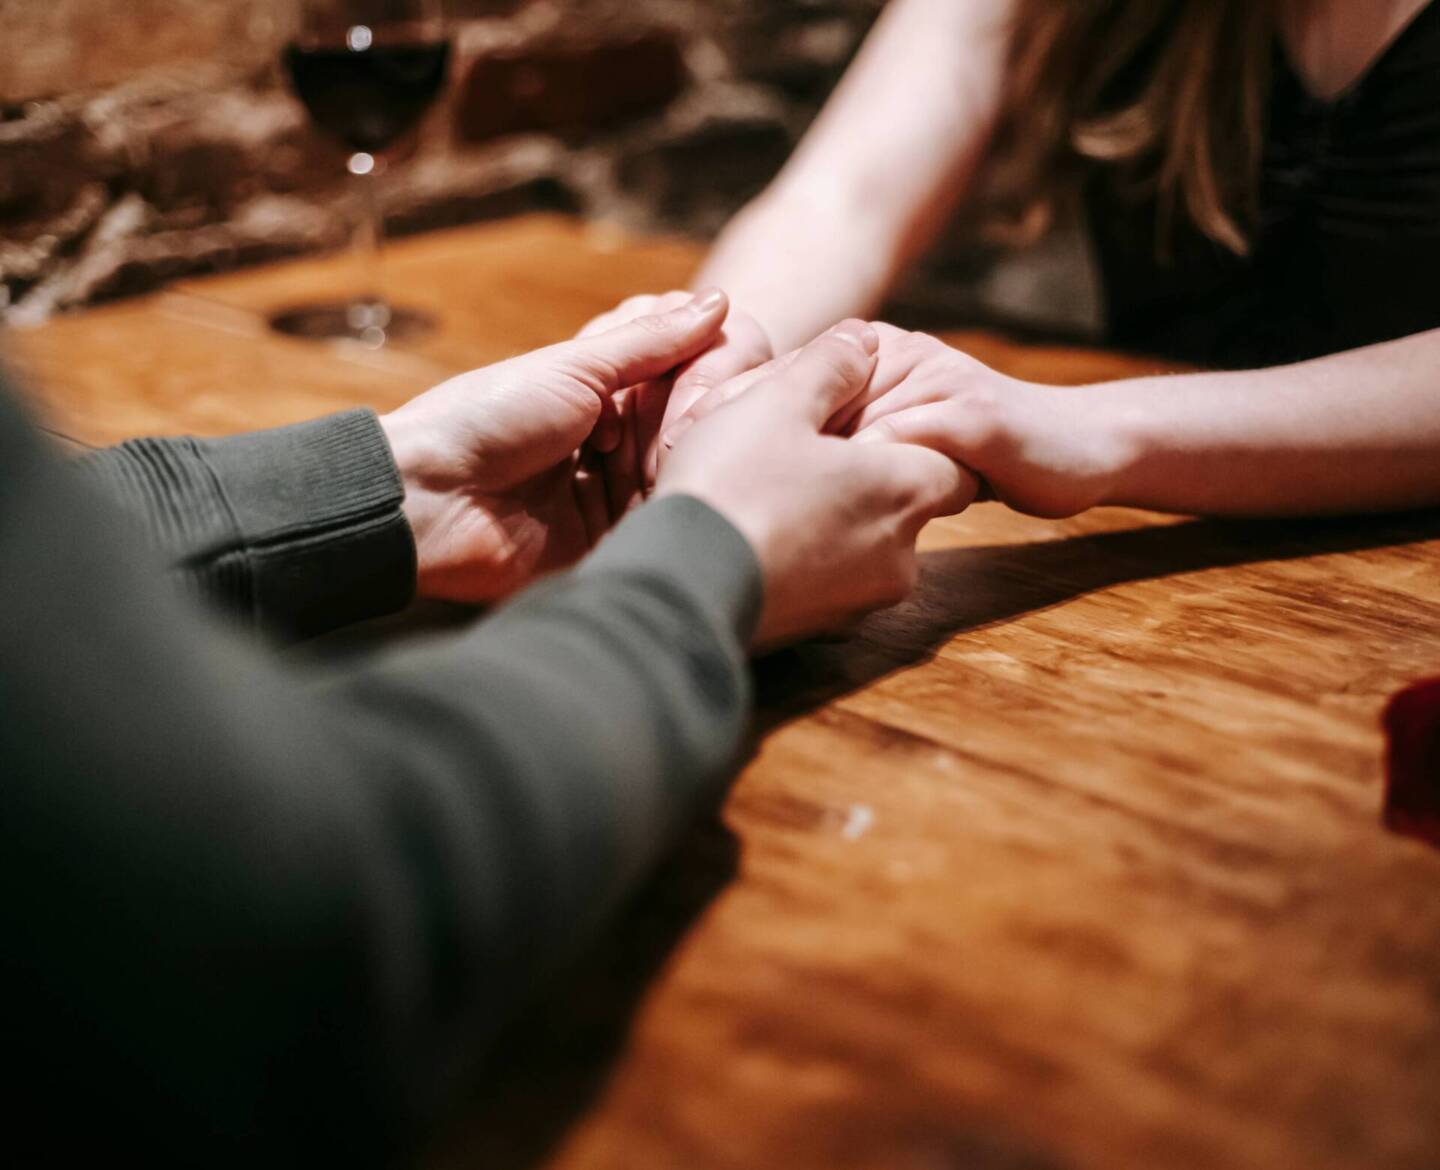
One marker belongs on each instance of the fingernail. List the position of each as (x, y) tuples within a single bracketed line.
[(859, 333), (708, 301)]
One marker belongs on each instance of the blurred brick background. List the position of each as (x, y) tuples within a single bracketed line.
[(145, 139)]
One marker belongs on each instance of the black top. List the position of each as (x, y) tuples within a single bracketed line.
[(1347, 251), (261, 911)]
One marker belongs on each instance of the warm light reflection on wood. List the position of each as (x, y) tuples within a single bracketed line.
[(1118, 896)]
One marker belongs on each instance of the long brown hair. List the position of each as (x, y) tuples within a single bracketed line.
[(1171, 93)]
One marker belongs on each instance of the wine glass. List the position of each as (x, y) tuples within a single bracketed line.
[(366, 71)]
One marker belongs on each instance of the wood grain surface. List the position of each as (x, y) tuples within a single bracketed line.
[(1072, 861)]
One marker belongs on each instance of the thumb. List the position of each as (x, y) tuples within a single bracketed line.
[(649, 346), (724, 394), (933, 425), (823, 376), (934, 484), (933, 429)]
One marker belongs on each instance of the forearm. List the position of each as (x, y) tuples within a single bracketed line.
[(278, 913), (876, 177), (1355, 432), (588, 720), (799, 264)]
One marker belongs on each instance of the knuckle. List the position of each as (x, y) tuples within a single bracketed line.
[(922, 345), (978, 413), (839, 359), (597, 372), (656, 324), (909, 495)]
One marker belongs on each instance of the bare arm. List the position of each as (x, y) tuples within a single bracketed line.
[(874, 180), (1354, 432)]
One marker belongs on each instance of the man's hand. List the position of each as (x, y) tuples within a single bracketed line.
[(833, 522), (494, 488), (629, 440)]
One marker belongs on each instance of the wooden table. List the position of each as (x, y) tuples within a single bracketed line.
[(1074, 860)]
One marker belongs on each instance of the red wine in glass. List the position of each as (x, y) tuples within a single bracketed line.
[(368, 99), (366, 71)]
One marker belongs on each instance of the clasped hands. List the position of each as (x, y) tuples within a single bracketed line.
[(829, 460)]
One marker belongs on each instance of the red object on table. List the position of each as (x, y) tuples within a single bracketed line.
[(1412, 788)]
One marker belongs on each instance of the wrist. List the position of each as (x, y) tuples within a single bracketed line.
[(690, 541), (1120, 418), (754, 533), (418, 462)]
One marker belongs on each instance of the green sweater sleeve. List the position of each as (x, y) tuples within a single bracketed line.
[(297, 530), (264, 914)]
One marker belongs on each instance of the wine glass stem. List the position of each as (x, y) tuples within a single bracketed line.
[(371, 310)]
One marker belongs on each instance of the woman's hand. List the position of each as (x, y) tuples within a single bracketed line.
[(832, 522), (1048, 451), (495, 490)]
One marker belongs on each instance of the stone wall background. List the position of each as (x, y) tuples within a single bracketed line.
[(141, 140), (144, 139)]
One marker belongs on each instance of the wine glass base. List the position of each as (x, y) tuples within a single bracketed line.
[(351, 322)]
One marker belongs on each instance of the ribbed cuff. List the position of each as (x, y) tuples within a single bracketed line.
[(318, 508), (689, 543), (299, 528), (308, 476)]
